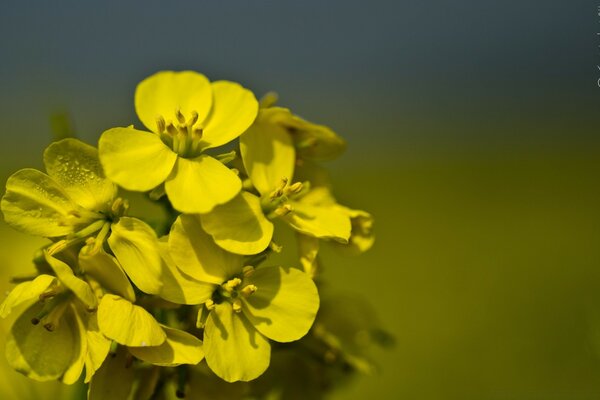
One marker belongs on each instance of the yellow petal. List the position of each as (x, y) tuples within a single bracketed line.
[(321, 222), (361, 237), (197, 255), (34, 203), (268, 153), (72, 373), (179, 348), (24, 292), (162, 94), (180, 288), (135, 159), (75, 166), (39, 354), (98, 347), (198, 185), (78, 286), (114, 380), (239, 226), (315, 142), (135, 245), (285, 304), (234, 350), (233, 111), (128, 324), (106, 270)]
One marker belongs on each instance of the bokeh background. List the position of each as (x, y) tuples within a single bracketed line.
[(473, 130)]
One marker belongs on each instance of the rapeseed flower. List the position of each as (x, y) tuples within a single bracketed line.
[(186, 115)]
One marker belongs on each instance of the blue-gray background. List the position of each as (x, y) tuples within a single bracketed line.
[(472, 130)]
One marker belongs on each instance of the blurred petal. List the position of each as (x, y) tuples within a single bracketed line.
[(106, 270), (135, 245), (39, 354), (114, 380), (234, 350), (284, 306), (198, 185), (75, 166), (239, 226), (361, 237), (136, 160), (24, 292), (78, 286), (128, 324), (321, 222), (165, 92), (197, 255), (315, 142), (308, 249), (34, 203), (268, 153), (233, 111), (179, 348)]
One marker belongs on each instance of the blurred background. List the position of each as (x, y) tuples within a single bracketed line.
[(473, 131)]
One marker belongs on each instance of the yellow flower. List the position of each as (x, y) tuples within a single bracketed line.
[(242, 225), (243, 306), (56, 334), (74, 202), (187, 115)]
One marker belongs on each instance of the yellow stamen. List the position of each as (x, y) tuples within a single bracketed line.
[(283, 210), (180, 116), (160, 124), (231, 284), (237, 305), (249, 290)]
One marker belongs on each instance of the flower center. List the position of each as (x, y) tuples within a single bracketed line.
[(276, 203), (233, 290), (183, 135)]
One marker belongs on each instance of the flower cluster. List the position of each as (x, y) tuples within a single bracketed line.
[(133, 305)]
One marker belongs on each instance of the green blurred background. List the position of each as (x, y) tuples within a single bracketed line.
[(473, 139)]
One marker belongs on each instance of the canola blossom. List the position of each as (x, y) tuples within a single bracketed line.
[(201, 309)]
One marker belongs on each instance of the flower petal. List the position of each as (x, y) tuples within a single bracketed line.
[(285, 305), (98, 347), (24, 292), (114, 380), (198, 185), (268, 153), (178, 287), (106, 270), (39, 354), (136, 160), (165, 92), (322, 222), (239, 226), (197, 255), (34, 203), (135, 245), (233, 111), (75, 166), (128, 324), (234, 350), (308, 249), (179, 348), (73, 373), (78, 286), (361, 237)]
